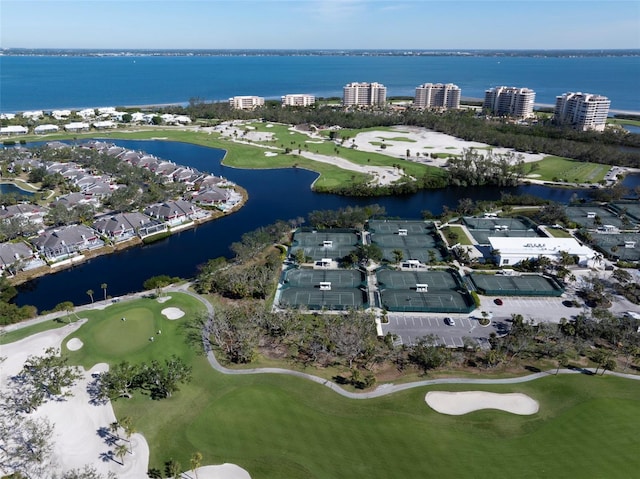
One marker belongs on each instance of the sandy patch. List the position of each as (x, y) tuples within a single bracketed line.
[(223, 471), (270, 153), (172, 313), (458, 403), (76, 420), (74, 344), (163, 299), (421, 138)]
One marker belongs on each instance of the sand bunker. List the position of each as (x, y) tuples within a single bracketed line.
[(163, 299), (270, 153), (74, 344), (465, 402), (172, 313), (223, 471)]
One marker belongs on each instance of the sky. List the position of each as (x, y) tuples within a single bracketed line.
[(320, 24)]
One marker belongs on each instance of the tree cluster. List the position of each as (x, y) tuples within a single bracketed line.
[(348, 217), (155, 378), (598, 147)]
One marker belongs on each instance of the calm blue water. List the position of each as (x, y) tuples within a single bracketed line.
[(10, 188), (47, 82), (271, 197)]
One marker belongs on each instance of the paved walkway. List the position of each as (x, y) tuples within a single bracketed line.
[(382, 390)]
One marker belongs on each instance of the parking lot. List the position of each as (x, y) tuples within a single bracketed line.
[(538, 310), (410, 327)]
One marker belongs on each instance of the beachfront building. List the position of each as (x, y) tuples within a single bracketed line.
[(511, 250), (364, 94), (77, 126), (438, 95), (582, 111), (298, 99), (44, 129), (509, 101), (14, 130), (246, 102)]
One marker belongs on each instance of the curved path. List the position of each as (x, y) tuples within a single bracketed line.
[(383, 389)]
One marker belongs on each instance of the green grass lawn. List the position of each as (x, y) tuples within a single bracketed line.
[(553, 168), (559, 233), (620, 121), (253, 157), (280, 427), (398, 138), (463, 238)]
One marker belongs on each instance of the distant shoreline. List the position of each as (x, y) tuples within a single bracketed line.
[(463, 52)]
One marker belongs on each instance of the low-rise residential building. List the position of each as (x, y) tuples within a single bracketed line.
[(246, 102), (43, 129), (14, 130), (32, 213), (210, 196), (58, 243), (173, 212), (582, 111), (77, 126), (16, 257), (124, 226), (298, 99)]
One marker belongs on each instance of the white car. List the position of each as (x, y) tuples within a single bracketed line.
[(449, 321)]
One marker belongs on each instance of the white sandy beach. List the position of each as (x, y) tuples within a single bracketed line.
[(458, 403)]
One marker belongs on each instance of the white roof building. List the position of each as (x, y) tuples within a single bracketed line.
[(33, 114), (510, 251), (298, 99), (246, 102), (48, 128), (104, 124), (61, 114), (76, 126), (14, 130)]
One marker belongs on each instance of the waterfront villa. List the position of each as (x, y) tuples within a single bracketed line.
[(59, 243), (124, 226)]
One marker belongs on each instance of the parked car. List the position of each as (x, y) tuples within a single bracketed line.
[(498, 301), (449, 321)]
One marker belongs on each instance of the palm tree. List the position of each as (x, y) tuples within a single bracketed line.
[(196, 460), (90, 293), (104, 288), (129, 430), (113, 428), (120, 452)]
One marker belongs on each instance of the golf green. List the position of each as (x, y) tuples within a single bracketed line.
[(127, 333)]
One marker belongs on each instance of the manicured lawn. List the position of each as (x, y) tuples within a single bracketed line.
[(109, 339), (616, 121), (463, 239), (22, 333), (398, 138), (276, 426), (554, 168), (559, 233)]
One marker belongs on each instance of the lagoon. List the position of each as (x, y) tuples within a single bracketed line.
[(273, 195)]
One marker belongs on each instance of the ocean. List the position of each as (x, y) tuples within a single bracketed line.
[(54, 82)]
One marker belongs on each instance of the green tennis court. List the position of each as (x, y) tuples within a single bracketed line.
[(324, 244), (522, 285), (405, 280), (512, 224), (310, 278), (336, 299), (624, 246), (439, 301), (593, 216), (393, 226)]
